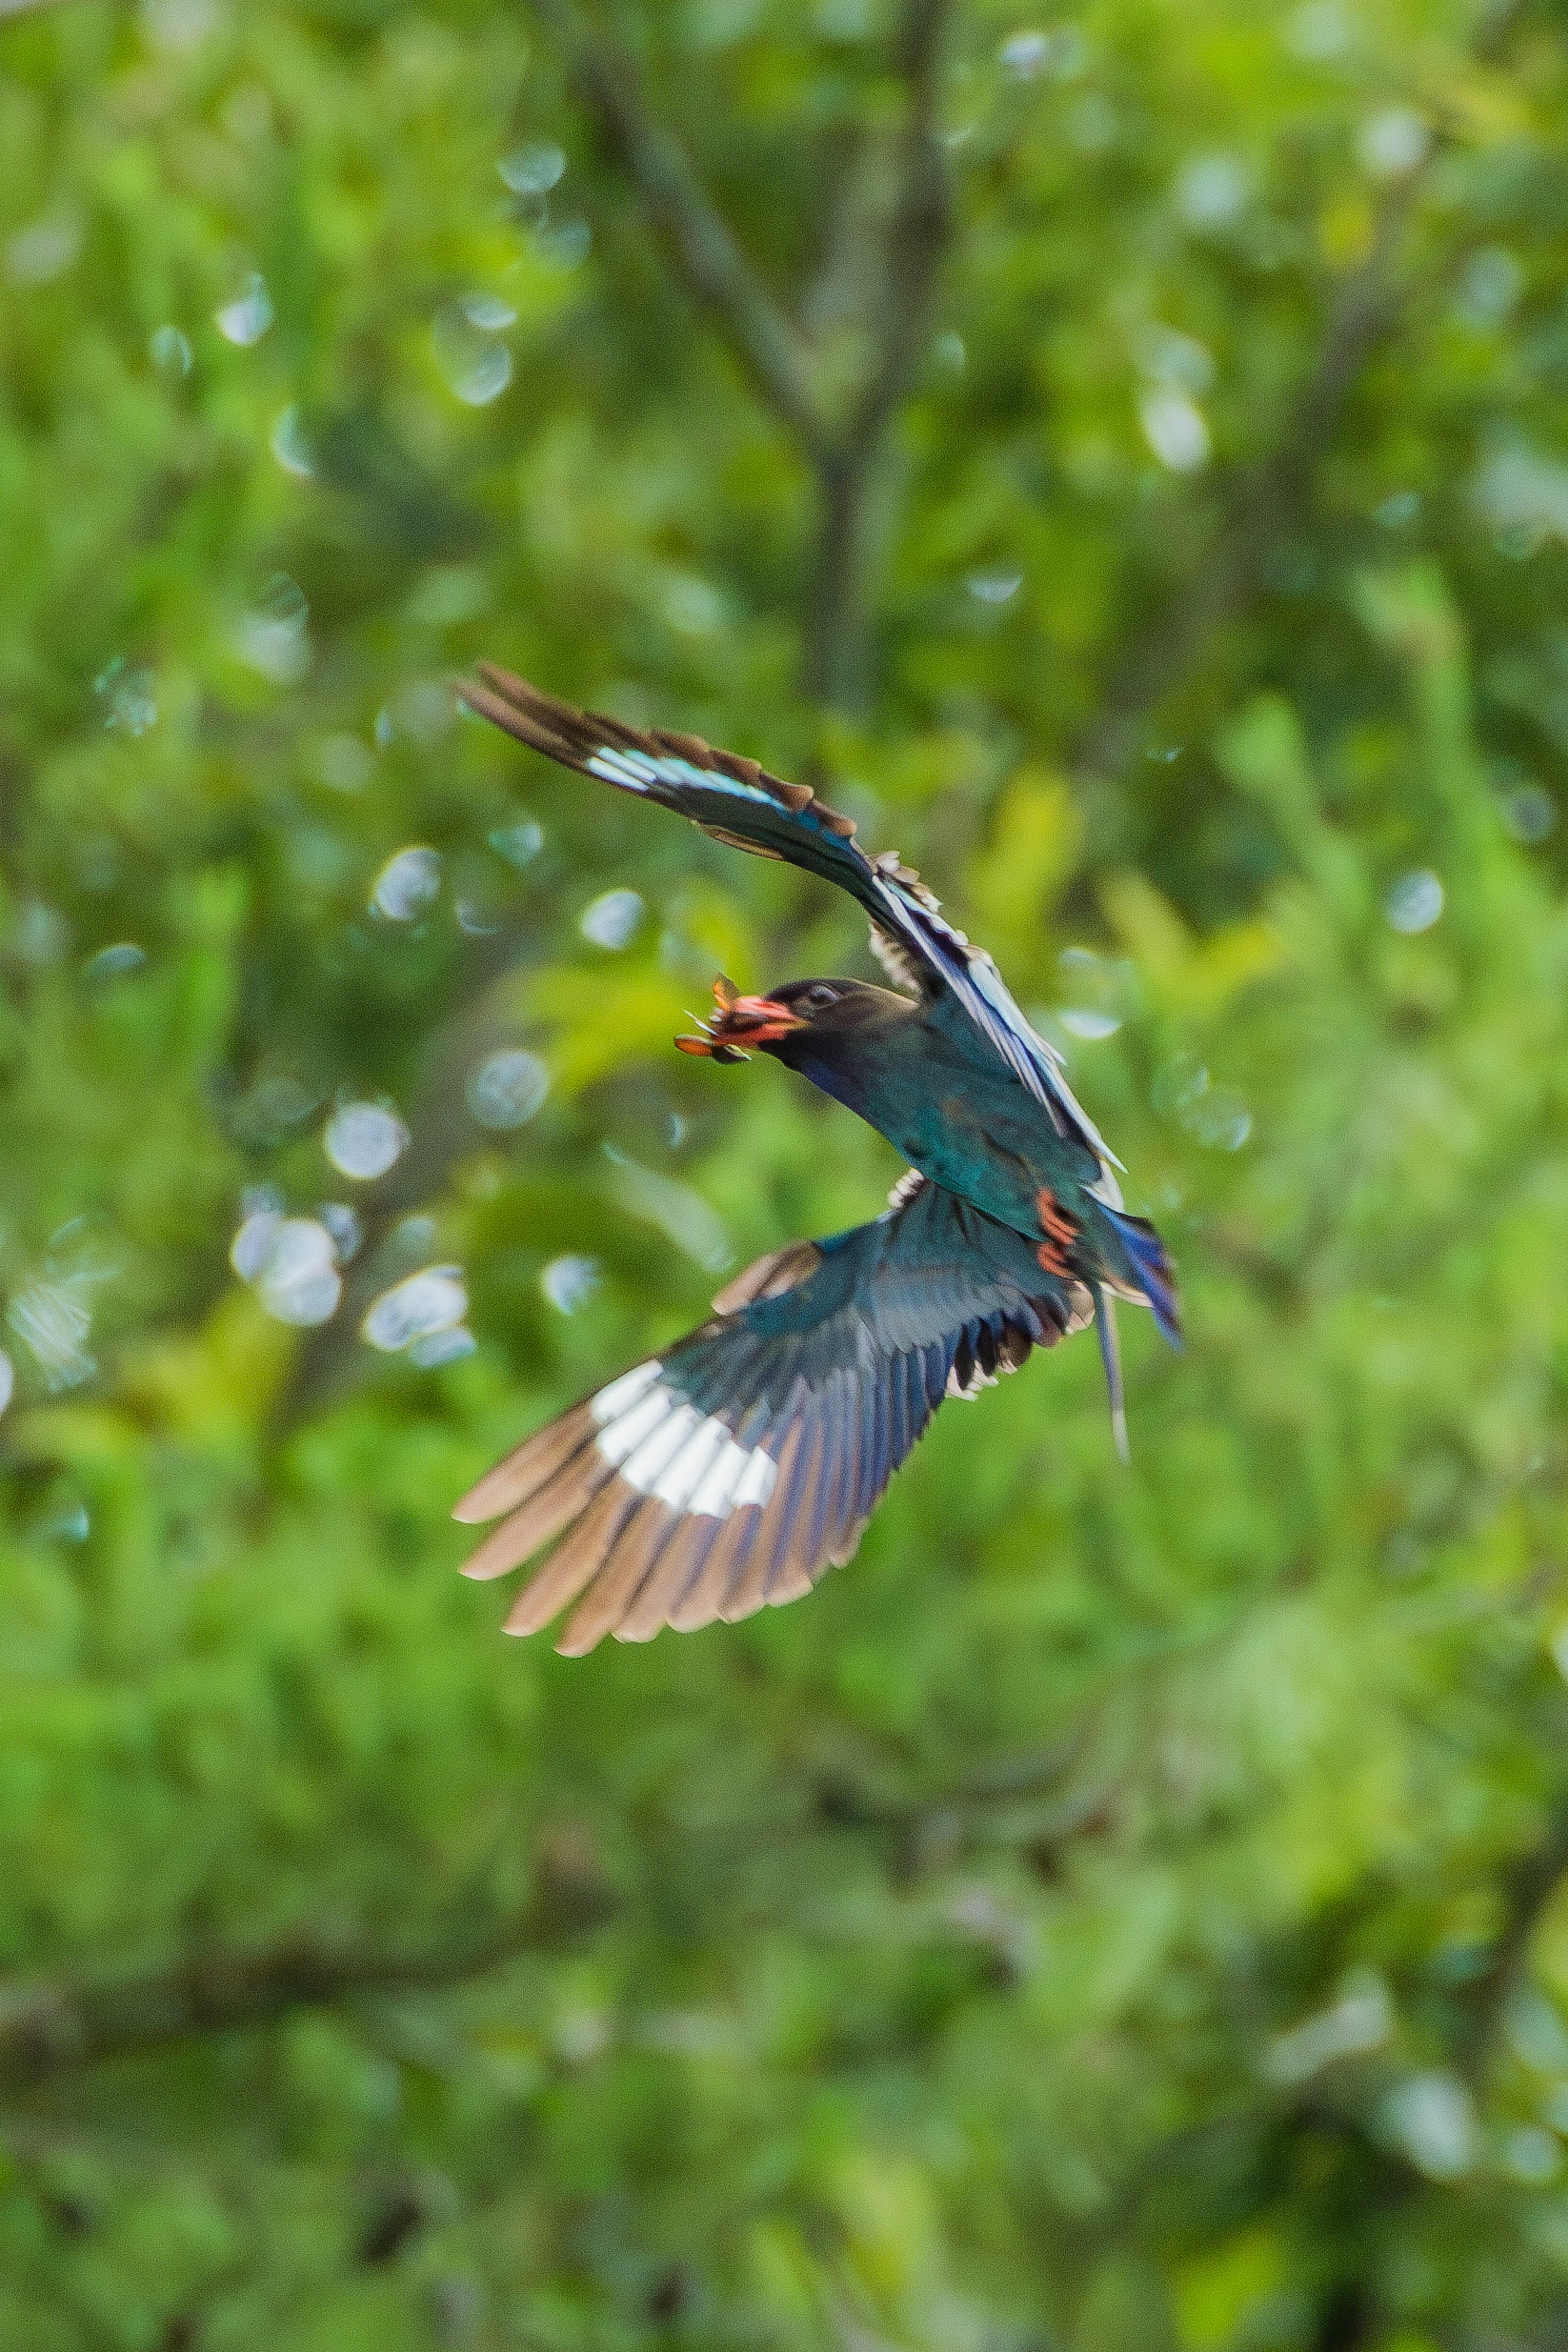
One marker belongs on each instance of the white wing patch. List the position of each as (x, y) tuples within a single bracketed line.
[(663, 1447), (612, 1402)]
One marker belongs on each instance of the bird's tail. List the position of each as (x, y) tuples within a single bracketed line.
[(1111, 1357), (1149, 1267)]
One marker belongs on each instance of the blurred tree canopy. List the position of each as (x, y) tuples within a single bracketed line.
[(1123, 452)]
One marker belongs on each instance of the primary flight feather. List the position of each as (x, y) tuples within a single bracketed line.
[(732, 1470)]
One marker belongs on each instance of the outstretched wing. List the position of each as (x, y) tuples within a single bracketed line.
[(727, 1473), (737, 800)]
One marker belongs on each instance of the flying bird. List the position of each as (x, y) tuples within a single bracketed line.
[(730, 1471)]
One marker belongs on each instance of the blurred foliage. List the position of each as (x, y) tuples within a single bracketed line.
[(1122, 1911)]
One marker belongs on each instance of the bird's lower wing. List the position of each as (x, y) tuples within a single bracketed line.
[(739, 802), (729, 1473)]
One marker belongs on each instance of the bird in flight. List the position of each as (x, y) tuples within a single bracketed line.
[(730, 1472)]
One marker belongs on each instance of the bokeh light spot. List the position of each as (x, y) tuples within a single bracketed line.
[(508, 1087), (364, 1139)]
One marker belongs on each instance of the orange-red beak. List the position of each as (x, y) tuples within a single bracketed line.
[(760, 1019), (737, 1022)]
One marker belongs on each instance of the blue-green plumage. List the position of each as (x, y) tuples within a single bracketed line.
[(731, 1472), (957, 1113), (916, 1072)]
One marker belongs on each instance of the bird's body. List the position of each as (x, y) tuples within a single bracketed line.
[(729, 1473), (966, 1122)]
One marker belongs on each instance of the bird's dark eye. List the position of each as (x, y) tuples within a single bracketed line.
[(821, 996)]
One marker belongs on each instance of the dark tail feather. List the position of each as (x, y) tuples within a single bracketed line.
[(1111, 1357), (1152, 1267)]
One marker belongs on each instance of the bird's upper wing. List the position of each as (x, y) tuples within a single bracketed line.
[(728, 1472), (737, 800)]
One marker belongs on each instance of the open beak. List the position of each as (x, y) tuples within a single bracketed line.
[(737, 1022)]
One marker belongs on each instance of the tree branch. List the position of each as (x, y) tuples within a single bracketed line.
[(47, 2027), (838, 661), (50, 2026), (848, 456), (918, 230), (1527, 1889), (44, 2027), (705, 253)]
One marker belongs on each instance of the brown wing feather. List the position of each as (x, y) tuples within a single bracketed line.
[(526, 1469), (750, 1592), (666, 1581), (616, 1588), (573, 737), (544, 1515), (575, 1562), (704, 1601)]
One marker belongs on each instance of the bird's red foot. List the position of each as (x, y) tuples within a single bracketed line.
[(1060, 1233)]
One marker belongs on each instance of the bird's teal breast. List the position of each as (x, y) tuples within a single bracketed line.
[(984, 1138)]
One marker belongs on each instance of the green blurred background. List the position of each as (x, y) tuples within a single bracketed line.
[(1121, 456)]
